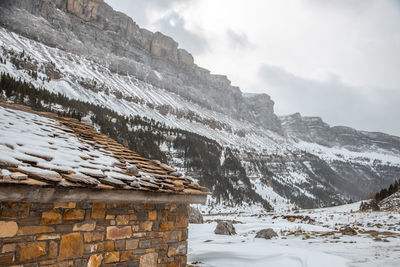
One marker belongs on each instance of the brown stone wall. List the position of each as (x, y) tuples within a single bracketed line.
[(99, 234)]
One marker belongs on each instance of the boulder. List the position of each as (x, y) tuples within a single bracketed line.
[(225, 228), (266, 233), (370, 204), (195, 216)]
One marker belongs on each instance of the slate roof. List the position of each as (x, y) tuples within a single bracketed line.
[(41, 149)]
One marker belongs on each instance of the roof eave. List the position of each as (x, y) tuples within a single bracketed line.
[(25, 193)]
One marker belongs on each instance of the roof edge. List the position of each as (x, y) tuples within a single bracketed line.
[(40, 194)]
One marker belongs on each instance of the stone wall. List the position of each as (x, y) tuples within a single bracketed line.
[(99, 234)]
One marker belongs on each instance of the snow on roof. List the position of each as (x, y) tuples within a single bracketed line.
[(41, 149)]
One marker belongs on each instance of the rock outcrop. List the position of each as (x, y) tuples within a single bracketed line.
[(266, 233), (92, 28), (391, 203), (369, 205), (315, 130), (225, 228)]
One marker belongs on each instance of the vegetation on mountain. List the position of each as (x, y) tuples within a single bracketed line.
[(386, 192)]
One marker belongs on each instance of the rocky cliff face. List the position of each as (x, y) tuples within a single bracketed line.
[(314, 130), (94, 29)]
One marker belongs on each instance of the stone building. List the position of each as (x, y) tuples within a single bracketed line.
[(70, 196)]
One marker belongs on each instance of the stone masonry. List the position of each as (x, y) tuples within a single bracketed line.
[(93, 234)]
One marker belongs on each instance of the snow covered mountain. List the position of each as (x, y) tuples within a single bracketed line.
[(86, 51)]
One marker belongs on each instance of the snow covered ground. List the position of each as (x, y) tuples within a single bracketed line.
[(325, 237)]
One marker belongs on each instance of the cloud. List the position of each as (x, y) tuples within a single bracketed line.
[(139, 10), (354, 5), (173, 25), (238, 40), (336, 102)]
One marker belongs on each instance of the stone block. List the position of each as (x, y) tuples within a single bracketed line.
[(53, 249), (133, 263), (141, 216), (120, 244), (13, 210), (145, 226), (166, 226), (85, 226), (31, 251), (64, 228), (109, 245), (111, 257), (31, 220), (47, 262), (8, 229), (100, 247), (126, 256), (64, 264), (93, 237), (171, 252), (122, 219), (138, 235), (95, 260), (74, 215), (179, 249), (8, 248), (148, 260), (132, 244), (150, 250), (6, 259), (146, 243), (80, 262), (101, 222), (71, 246), (98, 210), (156, 243), (135, 228), (110, 217), (32, 230), (152, 215), (90, 248), (51, 217), (48, 237), (115, 232), (182, 222)]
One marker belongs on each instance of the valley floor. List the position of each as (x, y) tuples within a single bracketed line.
[(331, 237)]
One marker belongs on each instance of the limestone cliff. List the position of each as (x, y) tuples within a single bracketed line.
[(315, 130)]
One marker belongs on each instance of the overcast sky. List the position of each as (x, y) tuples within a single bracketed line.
[(337, 59)]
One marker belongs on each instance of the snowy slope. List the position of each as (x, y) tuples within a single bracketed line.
[(312, 238)]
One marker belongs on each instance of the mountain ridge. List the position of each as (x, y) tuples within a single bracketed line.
[(130, 50)]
